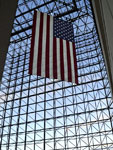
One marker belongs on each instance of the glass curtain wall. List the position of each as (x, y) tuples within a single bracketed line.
[(43, 114)]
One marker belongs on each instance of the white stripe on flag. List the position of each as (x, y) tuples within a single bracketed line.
[(35, 57), (65, 61), (51, 49), (44, 45), (72, 61), (58, 58)]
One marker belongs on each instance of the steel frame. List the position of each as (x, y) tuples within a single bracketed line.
[(45, 114)]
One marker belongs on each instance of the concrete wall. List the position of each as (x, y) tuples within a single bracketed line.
[(7, 13), (103, 11)]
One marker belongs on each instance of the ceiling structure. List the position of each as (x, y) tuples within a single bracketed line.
[(45, 114)]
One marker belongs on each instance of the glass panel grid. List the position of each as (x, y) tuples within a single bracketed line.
[(45, 114)]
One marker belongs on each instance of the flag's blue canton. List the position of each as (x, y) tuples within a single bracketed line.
[(63, 29)]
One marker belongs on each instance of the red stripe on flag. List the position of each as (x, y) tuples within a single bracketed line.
[(69, 62), (75, 63), (32, 42), (54, 58), (47, 47), (61, 60), (40, 45)]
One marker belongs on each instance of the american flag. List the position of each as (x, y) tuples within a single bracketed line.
[(53, 52)]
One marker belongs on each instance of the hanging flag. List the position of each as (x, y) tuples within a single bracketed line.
[(53, 52)]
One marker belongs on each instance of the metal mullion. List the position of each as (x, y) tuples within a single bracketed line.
[(22, 29), (5, 109), (86, 117), (84, 45), (82, 41), (25, 144), (27, 105), (54, 115), (19, 111), (67, 97), (22, 22), (64, 116), (68, 115), (12, 109), (84, 52), (103, 115), (66, 132), (86, 122), (21, 39), (3, 122), (72, 85), (75, 103), (97, 80), (87, 58), (16, 144), (35, 119), (91, 64), (44, 143), (94, 133), (97, 110), (82, 35), (10, 123)]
